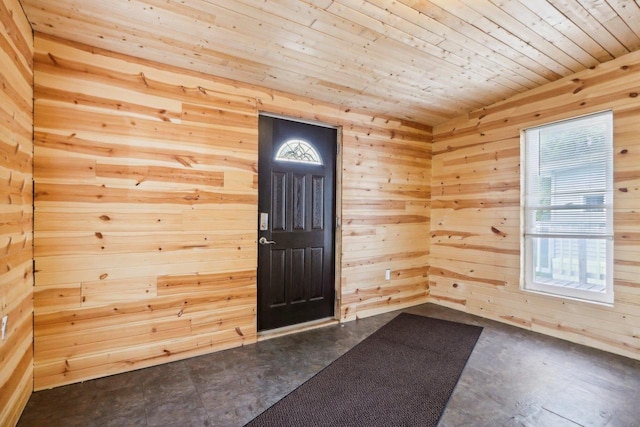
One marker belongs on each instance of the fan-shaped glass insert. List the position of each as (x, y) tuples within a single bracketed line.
[(298, 151)]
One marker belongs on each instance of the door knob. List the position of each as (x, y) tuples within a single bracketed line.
[(264, 241)]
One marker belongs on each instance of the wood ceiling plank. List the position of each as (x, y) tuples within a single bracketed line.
[(384, 19), (629, 12), (478, 41), (423, 16), (608, 18), (535, 23), (568, 28), (476, 17), (524, 34), (472, 73), (324, 47), (364, 54), (580, 16)]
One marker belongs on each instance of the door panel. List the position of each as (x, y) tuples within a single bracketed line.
[(277, 294), (295, 261), (299, 211), (317, 203), (278, 204), (317, 273)]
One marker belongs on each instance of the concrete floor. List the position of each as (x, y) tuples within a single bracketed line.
[(513, 378)]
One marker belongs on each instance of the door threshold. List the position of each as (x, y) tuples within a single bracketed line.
[(294, 329)]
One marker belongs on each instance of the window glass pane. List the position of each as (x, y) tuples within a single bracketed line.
[(298, 151), (568, 187), (584, 220), (570, 263), (568, 212)]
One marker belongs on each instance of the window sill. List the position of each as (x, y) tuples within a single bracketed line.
[(572, 294)]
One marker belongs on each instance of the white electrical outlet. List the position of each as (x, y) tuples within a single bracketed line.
[(387, 274), (5, 319)]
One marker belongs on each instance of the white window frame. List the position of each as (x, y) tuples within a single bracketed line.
[(528, 282)]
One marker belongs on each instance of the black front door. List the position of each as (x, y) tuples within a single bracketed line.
[(296, 220)]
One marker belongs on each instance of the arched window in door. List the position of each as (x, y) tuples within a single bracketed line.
[(298, 151)]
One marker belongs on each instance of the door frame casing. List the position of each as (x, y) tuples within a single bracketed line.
[(337, 226)]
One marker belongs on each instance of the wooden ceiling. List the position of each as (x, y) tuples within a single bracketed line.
[(426, 61)]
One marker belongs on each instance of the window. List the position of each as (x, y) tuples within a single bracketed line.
[(299, 151), (568, 208)]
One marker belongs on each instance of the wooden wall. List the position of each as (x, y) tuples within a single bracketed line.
[(475, 251), (16, 197), (385, 223), (146, 211)]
